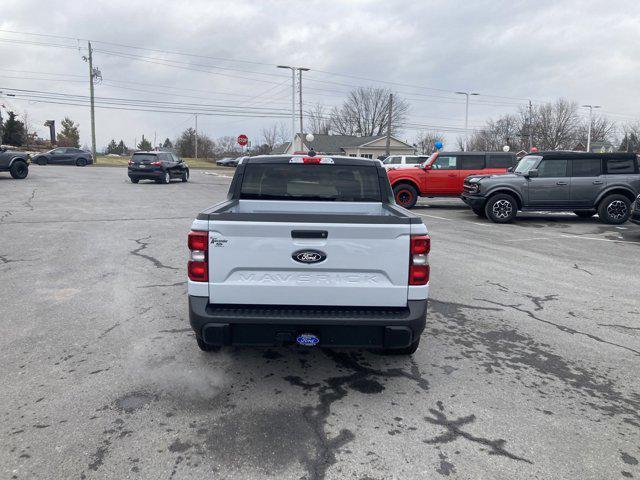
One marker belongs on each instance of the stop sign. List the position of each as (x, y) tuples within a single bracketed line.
[(243, 140)]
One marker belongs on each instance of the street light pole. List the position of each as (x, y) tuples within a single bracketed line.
[(466, 117), (590, 107), (293, 102)]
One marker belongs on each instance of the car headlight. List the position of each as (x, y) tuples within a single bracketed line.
[(474, 188)]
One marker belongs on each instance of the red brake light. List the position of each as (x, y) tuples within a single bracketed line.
[(419, 269), (130, 162), (198, 267), (311, 159), (156, 164)]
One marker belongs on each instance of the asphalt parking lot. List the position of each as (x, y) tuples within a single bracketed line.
[(528, 367)]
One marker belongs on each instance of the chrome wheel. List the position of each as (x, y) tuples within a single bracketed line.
[(502, 209), (167, 178), (617, 210)]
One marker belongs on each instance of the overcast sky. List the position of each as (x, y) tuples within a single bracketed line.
[(587, 51)]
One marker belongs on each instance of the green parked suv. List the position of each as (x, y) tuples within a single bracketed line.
[(584, 183)]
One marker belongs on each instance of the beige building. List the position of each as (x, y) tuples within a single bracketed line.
[(349, 145)]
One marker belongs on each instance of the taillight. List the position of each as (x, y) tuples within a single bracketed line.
[(198, 267), (156, 164), (419, 260), (130, 162)]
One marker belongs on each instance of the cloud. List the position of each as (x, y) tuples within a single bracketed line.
[(584, 50)]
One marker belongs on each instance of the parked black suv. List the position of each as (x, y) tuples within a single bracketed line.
[(16, 163), (585, 183), (158, 166)]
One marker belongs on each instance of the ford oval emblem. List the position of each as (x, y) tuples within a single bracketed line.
[(309, 256), (307, 339)]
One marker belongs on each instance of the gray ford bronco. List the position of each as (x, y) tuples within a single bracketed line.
[(584, 183), (16, 163)]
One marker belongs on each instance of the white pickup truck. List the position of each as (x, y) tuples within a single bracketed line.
[(309, 250)]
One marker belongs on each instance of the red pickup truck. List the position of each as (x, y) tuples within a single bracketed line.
[(443, 174)]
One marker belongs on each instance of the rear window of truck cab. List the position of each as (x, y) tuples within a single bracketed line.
[(331, 183)]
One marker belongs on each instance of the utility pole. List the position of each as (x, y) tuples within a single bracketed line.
[(300, 102), (466, 118), (530, 126), (93, 112), (196, 115), (293, 103), (590, 107), (387, 147)]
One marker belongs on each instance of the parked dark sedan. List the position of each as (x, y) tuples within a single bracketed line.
[(158, 166), (228, 162), (64, 156)]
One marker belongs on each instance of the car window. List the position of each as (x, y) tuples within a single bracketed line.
[(551, 168), (60, 150), (471, 162), (413, 160), (620, 166), (175, 157), (445, 163), (586, 167), (500, 161), (317, 183), (144, 157), (392, 160)]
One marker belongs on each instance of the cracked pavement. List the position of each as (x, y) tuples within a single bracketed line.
[(527, 368)]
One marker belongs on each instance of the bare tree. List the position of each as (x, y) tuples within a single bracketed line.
[(506, 130), (556, 125), (426, 141), (631, 140), (275, 135), (602, 129), (366, 111), (318, 119)]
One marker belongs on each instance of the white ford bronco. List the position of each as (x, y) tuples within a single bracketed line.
[(310, 250)]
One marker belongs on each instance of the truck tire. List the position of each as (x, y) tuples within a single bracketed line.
[(19, 170), (614, 209), (405, 195), (501, 208), (205, 347), (81, 162), (585, 213)]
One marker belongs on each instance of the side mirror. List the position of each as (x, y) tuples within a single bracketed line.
[(533, 173), (426, 167), (510, 170)]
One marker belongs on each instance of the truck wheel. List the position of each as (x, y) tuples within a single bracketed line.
[(81, 162), (410, 350), (585, 213), (19, 170), (205, 347), (406, 195), (501, 208), (614, 209)]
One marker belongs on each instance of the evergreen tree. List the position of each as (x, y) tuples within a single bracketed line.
[(144, 144), (122, 148), (69, 135), (13, 131), (112, 147), (167, 143)]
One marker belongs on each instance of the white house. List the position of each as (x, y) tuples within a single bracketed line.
[(349, 145)]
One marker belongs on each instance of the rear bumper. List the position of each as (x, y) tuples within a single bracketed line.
[(146, 174), (271, 325)]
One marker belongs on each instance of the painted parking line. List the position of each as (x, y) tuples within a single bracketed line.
[(434, 216), (581, 237), (530, 239)]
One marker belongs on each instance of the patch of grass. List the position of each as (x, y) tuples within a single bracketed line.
[(105, 161)]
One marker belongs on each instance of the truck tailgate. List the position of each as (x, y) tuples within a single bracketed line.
[(253, 263)]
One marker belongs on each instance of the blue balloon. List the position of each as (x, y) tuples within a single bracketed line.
[(438, 144)]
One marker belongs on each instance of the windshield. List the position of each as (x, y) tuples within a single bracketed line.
[(328, 183), (527, 163)]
